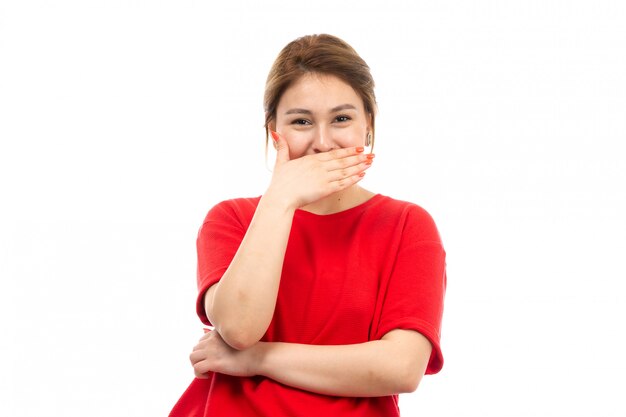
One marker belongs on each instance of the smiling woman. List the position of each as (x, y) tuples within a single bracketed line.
[(312, 122), (325, 298)]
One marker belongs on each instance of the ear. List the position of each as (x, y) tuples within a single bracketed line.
[(369, 141), (369, 122), (271, 125)]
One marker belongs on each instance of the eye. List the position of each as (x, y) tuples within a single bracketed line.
[(300, 122), (343, 118)]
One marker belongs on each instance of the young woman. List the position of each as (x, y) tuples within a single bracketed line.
[(326, 299)]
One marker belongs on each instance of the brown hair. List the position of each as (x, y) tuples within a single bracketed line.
[(323, 54)]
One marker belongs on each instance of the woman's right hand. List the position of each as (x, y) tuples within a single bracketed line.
[(304, 180)]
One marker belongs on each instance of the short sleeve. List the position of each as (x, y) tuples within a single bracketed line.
[(218, 241), (415, 290)]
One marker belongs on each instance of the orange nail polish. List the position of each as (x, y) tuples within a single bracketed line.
[(360, 149), (370, 156), (274, 135)]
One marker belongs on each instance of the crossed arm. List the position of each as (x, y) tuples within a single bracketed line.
[(392, 365)]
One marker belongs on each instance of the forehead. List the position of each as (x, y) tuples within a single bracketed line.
[(319, 92)]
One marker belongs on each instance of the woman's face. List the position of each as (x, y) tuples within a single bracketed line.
[(319, 113)]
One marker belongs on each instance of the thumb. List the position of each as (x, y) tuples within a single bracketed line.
[(282, 149)]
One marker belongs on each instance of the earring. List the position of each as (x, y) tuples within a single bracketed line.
[(368, 140)]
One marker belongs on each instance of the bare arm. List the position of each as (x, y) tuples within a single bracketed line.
[(392, 365), (241, 304)]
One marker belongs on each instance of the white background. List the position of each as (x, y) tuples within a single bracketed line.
[(123, 122)]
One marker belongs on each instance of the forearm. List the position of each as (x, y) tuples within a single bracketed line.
[(242, 303), (370, 369)]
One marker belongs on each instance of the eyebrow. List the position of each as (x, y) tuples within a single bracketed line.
[(333, 110)]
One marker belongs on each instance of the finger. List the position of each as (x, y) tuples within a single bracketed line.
[(344, 183), (350, 171), (340, 153), (201, 368), (346, 167), (282, 148), (200, 345), (349, 161), (196, 356)]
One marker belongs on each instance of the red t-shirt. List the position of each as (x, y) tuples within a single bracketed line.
[(348, 277)]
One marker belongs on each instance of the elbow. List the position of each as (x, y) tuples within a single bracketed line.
[(409, 359), (240, 343), (410, 384), (238, 338), (409, 377), (238, 332)]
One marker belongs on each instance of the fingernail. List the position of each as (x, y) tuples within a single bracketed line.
[(360, 149), (274, 135), (370, 156)]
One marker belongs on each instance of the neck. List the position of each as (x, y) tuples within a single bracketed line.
[(339, 201)]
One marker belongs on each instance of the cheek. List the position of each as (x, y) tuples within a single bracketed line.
[(350, 137), (298, 142)]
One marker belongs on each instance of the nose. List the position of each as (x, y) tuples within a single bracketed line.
[(323, 142)]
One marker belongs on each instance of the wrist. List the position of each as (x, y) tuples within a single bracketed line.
[(258, 354), (276, 202)]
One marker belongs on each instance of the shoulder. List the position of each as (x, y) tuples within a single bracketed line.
[(401, 206), (411, 217), (236, 209)]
